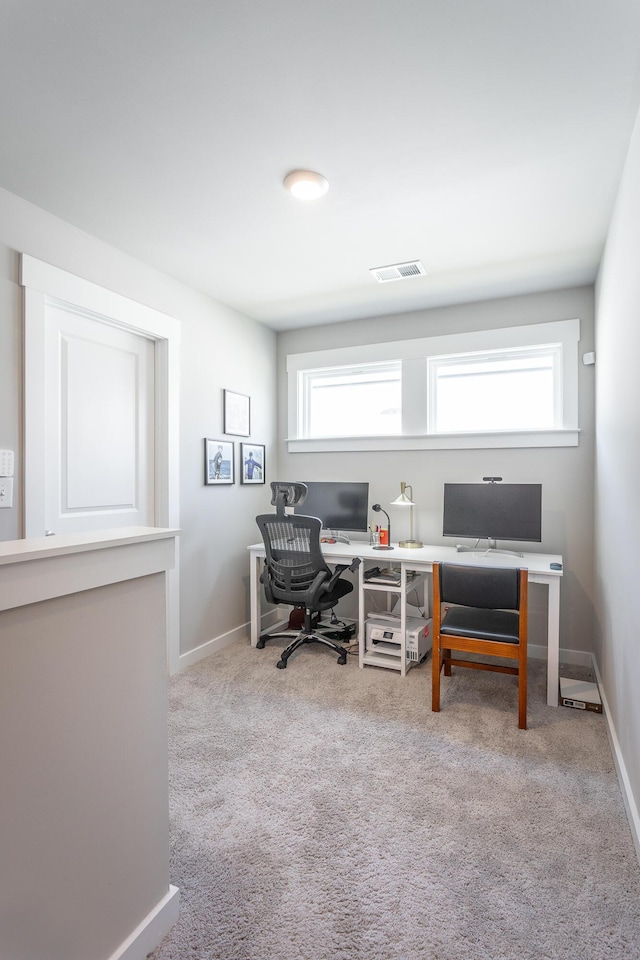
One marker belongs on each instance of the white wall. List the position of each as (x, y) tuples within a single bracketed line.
[(617, 501), (566, 473), (219, 349)]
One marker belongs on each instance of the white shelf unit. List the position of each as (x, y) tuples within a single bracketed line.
[(389, 656)]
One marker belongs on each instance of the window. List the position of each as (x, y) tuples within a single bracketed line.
[(351, 401), (494, 388), (468, 391)]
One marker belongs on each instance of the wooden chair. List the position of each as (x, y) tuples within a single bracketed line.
[(489, 618)]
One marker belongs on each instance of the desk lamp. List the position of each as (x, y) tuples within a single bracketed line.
[(404, 501), (383, 546)]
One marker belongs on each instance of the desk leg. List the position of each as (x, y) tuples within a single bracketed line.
[(553, 641), (362, 640), (254, 589), (428, 593)]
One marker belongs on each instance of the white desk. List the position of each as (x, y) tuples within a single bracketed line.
[(538, 565)]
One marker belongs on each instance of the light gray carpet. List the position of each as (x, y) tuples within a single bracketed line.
[(325, 813)]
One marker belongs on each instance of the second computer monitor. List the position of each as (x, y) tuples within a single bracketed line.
[(341, 505), (493, 511)]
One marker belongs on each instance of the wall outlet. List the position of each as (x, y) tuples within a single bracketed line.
[(6, 492)]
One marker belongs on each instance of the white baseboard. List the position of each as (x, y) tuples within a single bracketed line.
[(536, 651), (218, 643), (630, 804), (206, 649), (578, 657), (155, 926)]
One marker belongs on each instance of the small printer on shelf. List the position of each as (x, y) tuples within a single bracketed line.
[(384, 636)]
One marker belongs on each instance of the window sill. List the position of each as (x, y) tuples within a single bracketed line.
[(441, 441)]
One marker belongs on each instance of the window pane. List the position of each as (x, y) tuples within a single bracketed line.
[(353, 401), (512, 393)]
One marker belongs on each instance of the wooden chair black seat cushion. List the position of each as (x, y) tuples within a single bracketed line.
[(485, 624)]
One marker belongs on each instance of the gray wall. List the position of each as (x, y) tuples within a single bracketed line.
[(219, 349), (222, 349), (618, 466), (83, 739), (566, 473)]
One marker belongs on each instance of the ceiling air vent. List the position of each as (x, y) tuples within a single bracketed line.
[(398, 271)]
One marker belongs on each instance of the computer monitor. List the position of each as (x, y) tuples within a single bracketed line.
[(342, 506), (493, 511)]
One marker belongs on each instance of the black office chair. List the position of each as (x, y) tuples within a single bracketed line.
[(490, 619), (295, 571)]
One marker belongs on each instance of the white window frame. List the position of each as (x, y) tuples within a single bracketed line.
[(553, 351), (415, 355), (304, 387)]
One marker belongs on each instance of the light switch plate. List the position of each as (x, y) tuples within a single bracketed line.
[(6, 492), (6, 463)]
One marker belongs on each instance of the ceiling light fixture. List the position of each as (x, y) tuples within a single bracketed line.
[(305, 184)]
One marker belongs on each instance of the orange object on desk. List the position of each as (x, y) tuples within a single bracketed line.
[(384, 537)]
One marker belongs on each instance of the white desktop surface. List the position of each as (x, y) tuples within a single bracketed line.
[(422, 558)]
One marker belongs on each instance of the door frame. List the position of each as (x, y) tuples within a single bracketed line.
[(45, 283)]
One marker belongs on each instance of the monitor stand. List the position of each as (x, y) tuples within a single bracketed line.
[(491, 548), (334, 536)]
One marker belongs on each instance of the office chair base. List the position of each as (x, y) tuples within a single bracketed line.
[(311, 638), (289, 635), (342, 632)]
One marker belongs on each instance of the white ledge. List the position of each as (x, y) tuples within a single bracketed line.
[(47, 567), (442, 441)]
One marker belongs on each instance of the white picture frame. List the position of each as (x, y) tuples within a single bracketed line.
[(237, 413)]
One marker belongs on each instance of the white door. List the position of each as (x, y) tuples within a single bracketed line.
[(98, 459), (110, 393)]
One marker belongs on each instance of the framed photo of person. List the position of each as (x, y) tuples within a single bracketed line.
[(237, 410), (252, 464), (218, 462)]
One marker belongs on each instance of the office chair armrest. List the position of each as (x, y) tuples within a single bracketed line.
[(339, 569), (266, 582), (324, 583), (319, 586)]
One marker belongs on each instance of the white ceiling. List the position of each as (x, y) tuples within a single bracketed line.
[(483, 137)]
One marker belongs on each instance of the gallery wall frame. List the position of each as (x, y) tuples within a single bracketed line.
[(237, 413), (252, 463), (219, 458)]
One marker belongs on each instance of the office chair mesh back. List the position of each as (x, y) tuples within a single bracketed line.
[(292, 562), (294, 557)]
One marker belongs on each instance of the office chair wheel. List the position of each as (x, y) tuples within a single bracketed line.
[(342, 658), (260, 644), (281, 664)]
